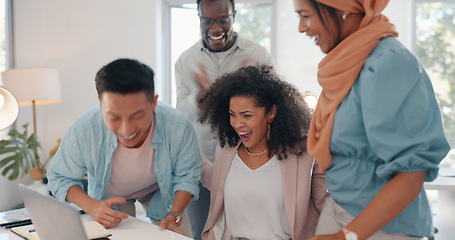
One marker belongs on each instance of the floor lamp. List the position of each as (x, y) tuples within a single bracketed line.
[(33, 86), (9, 108)]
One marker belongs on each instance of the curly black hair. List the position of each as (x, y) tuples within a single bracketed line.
[(290, 127)]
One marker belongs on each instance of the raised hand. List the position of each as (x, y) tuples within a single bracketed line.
[(202, 78)]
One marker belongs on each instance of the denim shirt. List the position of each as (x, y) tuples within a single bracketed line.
[(88, 146)]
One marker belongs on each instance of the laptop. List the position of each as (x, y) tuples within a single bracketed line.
[(53, 219)]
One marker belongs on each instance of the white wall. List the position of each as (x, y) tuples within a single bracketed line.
[(79, 37)]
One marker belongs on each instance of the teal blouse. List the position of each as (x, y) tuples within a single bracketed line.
[(389, 122)]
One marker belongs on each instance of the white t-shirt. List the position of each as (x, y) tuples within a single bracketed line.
[(222, 55), (254, 201), (133, 170)]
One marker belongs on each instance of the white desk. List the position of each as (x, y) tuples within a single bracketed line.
[(130, 228), (441, 183)]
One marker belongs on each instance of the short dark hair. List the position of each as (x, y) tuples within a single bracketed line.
[(125, 76), (232, 3), (291, 123)]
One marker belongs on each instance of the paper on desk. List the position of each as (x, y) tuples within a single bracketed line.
[(94, 229), (447, 172), (26, 232)]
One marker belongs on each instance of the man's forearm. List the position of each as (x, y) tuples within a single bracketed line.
[(77, 196)]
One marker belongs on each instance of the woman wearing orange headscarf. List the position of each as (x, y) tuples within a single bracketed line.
[(376, 131)]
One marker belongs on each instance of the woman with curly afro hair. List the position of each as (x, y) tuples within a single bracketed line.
[(263, 184)]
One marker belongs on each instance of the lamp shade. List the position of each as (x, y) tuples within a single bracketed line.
[(9, 108), (41, 85)]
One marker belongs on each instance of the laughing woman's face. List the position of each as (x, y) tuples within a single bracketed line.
[(249, 121), (311, 24)]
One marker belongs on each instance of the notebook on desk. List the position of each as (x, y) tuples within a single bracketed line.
[(55, 220), (15, 218)]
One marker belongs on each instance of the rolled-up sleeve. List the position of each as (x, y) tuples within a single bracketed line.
[(187, 170), (401, 116), (67, 168)]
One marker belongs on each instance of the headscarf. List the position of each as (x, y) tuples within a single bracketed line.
[(340, 68)]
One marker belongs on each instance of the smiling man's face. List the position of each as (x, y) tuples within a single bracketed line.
[(128, 116), (217, 19)]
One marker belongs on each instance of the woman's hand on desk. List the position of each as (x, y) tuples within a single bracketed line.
[(169, 223), (102, 212)]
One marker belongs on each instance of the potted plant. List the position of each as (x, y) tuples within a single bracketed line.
[(19, 155)]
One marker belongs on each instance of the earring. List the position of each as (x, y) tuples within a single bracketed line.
[(344, 17), (269, 120)]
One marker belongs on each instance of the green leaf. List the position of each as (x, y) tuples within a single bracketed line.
[(11, 166), (14, 174), (17, 155), (9, 149), (7, 160)]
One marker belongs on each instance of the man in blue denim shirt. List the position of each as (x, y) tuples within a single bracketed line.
[(132, 148)]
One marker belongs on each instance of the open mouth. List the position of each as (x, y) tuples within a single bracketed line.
[(316, 39), (216, 39), (245, 136), (131, 137)]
